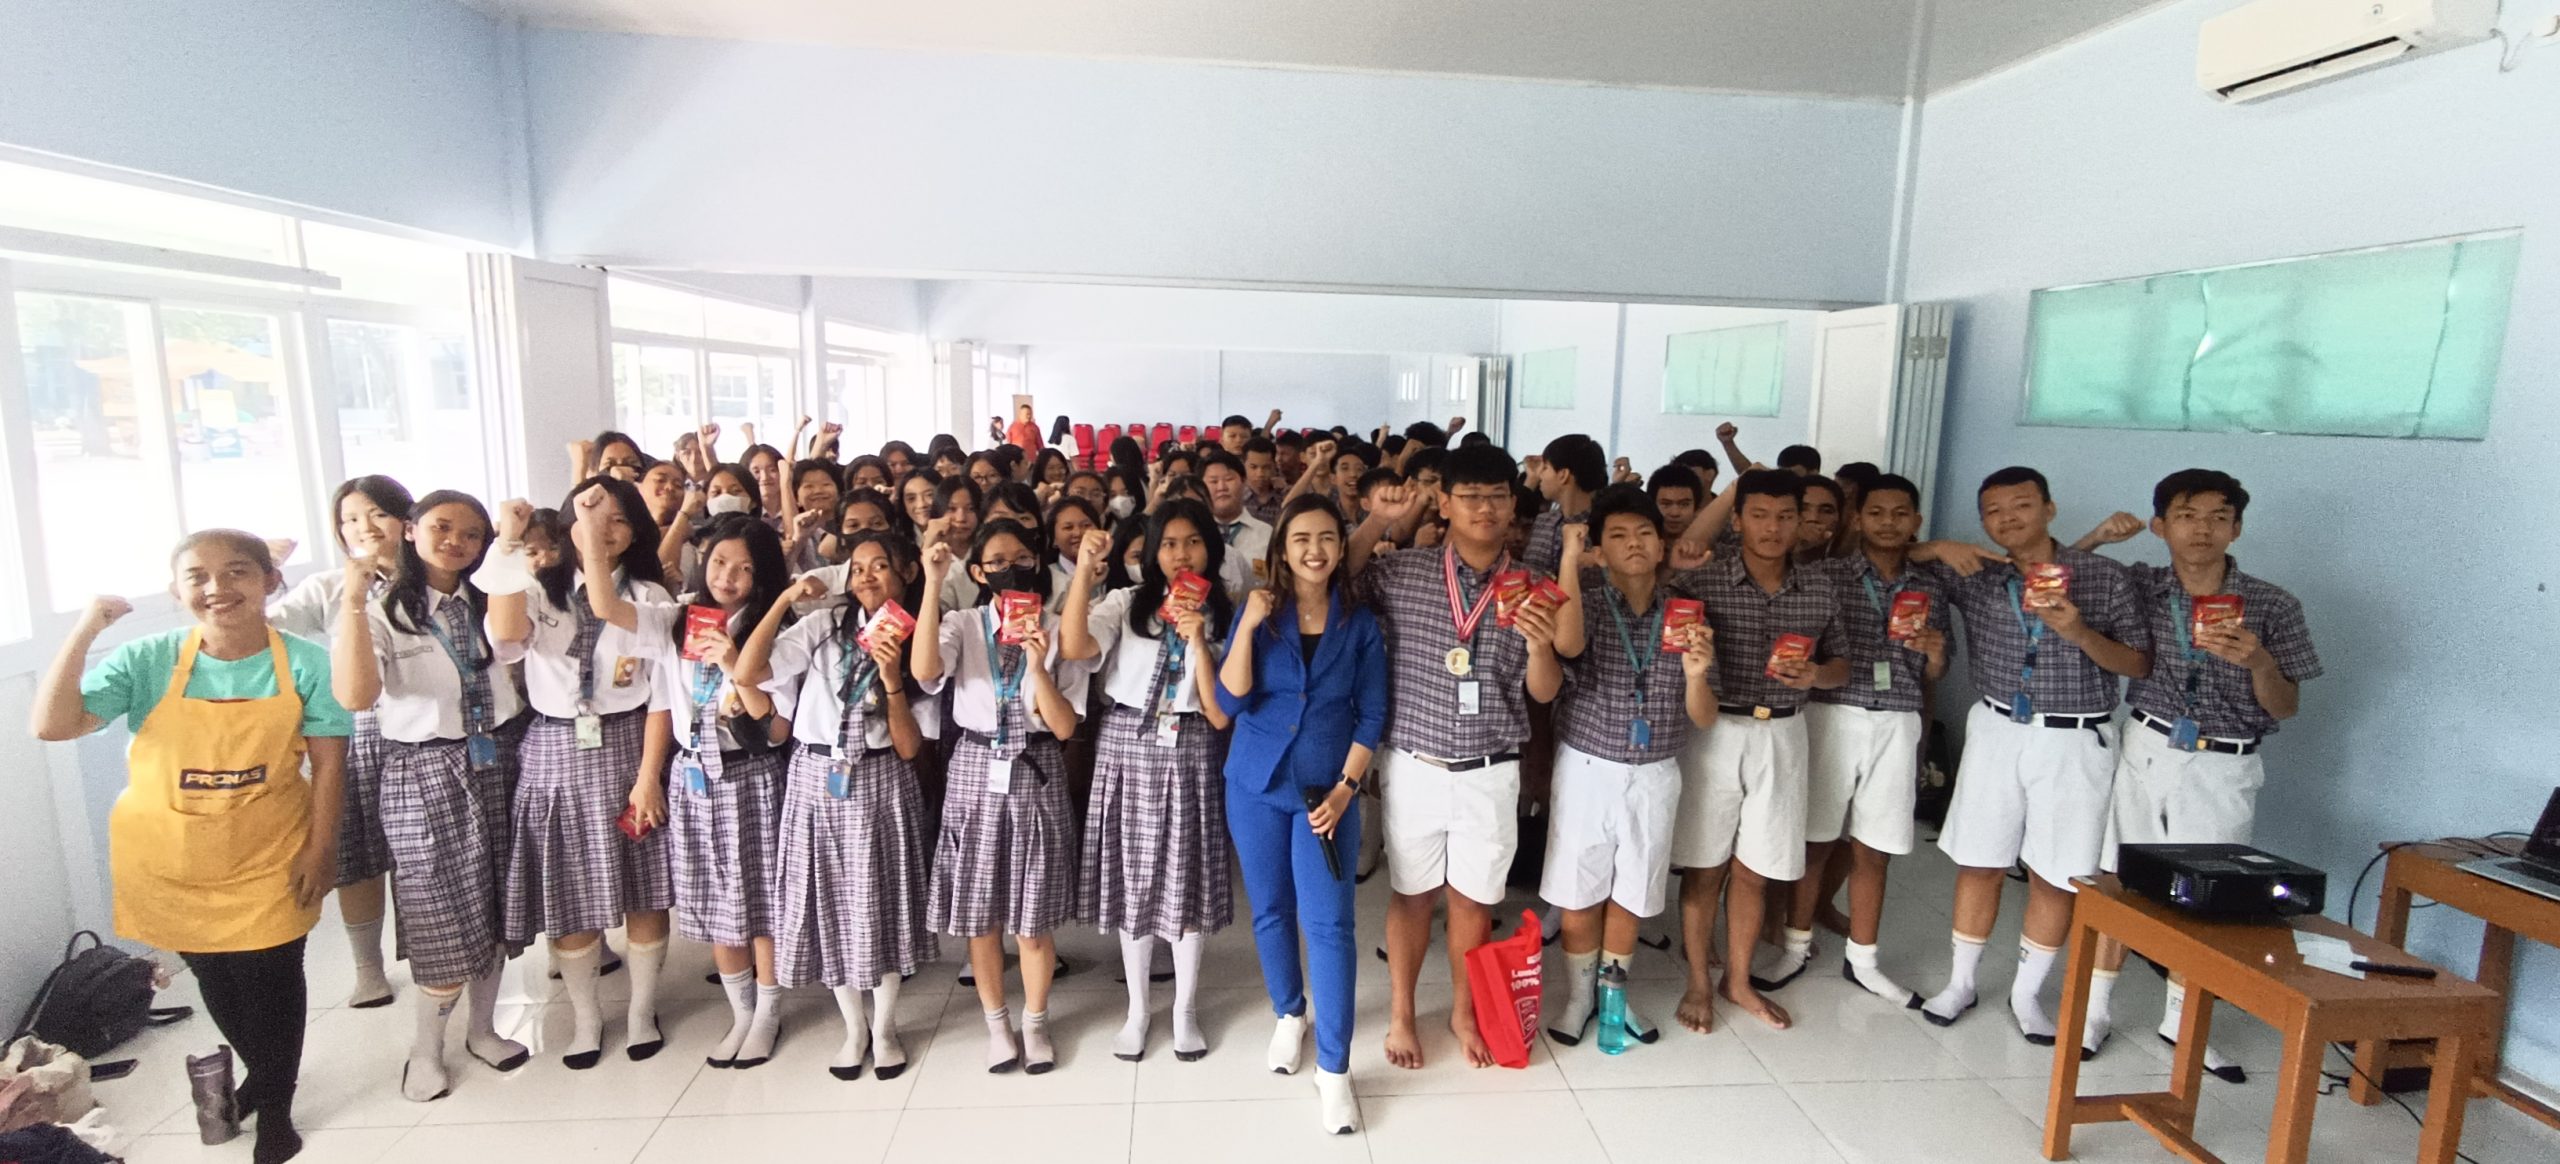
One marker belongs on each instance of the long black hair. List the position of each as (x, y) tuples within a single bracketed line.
[(1277, 573), (405, 602), (608, 438), (1151, 578), (639, 562), (764, 555), (386, 494), (890, 509), (910, 593), (1058, 431)]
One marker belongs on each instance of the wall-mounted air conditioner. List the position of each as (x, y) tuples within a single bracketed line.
[(2274, 46)]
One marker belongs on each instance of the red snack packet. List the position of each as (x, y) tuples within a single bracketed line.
[(1017, 616), (892, 619), (698, 619), (1547, 591), (1788, 649), (629, 823), (2047, 584), (2213, 610), (1510, 589), (1910, 615), (1679, 613), (1183, 593)]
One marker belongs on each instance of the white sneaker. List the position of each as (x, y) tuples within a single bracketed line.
[(1288, 1043), (1333, 1100)]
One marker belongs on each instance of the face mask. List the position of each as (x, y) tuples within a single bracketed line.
[(1034, 579), (1123, 505), (727, 503)]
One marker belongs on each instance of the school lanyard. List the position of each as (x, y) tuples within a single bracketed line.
[(1173, 650), (2029, 626), (590, 636), (1641, 661), (476, 712), (853, 683), (1008, 687), (2195, 655)]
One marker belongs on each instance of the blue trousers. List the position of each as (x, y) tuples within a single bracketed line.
[(1292, 892)]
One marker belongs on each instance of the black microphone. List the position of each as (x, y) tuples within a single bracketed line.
[(1332, 856)]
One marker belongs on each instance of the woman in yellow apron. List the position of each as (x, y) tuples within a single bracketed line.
[(221, 849)]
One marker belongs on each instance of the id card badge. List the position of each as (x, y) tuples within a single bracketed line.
[(1000, 776), (2021, 708), (483, 750), (1640, 733), (1470, 697), (1168, 731), (697, 782), (590, 731), (839, 781), (1884, 675), (2183, 735)]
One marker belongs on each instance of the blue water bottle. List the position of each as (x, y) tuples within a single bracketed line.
[(1613, 1010)]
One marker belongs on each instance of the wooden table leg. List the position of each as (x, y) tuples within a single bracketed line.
[(2497, 968), (2448, 1091), (2297, 1085), (2065, 1088), (2186, 1067), (2390, 924)]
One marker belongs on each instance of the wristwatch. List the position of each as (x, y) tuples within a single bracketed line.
[(1354, 782)]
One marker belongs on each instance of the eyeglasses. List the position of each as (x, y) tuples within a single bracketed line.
[(1026, 562), (1482, 500)]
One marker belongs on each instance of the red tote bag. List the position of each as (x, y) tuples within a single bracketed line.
[(1503, 978)]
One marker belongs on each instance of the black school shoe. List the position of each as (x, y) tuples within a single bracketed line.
[(2228, 1072), (612, 964)]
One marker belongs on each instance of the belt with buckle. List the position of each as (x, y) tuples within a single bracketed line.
[(828, 751), (2203, 743), (1754, 711), (2053, 721), (1467, 765)]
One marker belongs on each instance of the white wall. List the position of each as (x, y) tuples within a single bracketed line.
[(888, 304), (1077, 313), (832, 160), (1116, 384), (1632, 424), (1591, 330), (398, 110)]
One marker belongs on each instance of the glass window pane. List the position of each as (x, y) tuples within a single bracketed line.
[(738, 323), (42, 199), (98, 446), (653, 395), (386, 268), (1547, 378), (648, 307), (1731, 371), (229, 409), (405, 406)]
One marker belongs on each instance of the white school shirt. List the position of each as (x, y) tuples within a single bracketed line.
[(624, 658), (805, 673), (1132, 664), (421, 700), (311, 608), (973, 685)]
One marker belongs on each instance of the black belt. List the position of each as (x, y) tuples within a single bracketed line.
[(829, 751), (2203, 744), (727, 754), (1753, 711), (1467, 765), (2055, 721), (988, 742), (606, 717)]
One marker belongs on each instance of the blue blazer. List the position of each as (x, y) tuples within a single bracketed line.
[(1303, 716)]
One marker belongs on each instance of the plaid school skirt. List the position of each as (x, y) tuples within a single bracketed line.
[(446, 827), (1004, 862), (853, 875), (727, 868), (1155, 830), (363, 853), (570, 870)]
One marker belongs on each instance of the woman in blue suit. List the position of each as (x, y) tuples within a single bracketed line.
[(1305, 681)]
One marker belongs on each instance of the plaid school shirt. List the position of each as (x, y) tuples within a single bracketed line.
[(1866, 606), (1544, 552), (1748, 620), (2226, 704), (1597, 709), (2066, 681), (1407, 590)]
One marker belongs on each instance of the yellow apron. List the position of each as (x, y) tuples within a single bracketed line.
[(203, 838)]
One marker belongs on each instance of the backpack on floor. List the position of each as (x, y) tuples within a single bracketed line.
[(96, 999)]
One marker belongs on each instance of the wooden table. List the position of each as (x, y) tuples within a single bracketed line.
[(2427, 870), (2254, 967)]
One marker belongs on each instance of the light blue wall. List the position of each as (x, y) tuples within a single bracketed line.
[(2424, 565), (809, 158), (397, 110)]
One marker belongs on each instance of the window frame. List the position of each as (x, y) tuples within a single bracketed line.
[(796, 396)]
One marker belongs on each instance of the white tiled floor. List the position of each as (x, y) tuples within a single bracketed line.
[(1855, 1080)]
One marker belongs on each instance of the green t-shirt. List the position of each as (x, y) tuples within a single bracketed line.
[(133, 678)]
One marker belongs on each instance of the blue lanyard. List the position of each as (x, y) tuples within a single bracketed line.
[(705, 689), (853, 684), (475, 714), (2180, 607), (1174, 650), (2028, 625), (1641, 661), (1008, 687)]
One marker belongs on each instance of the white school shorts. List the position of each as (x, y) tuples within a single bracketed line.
[(2033, 792), (1742, 797), (2164, 796), (1609, 832), (1458, 829), (1863, 775)]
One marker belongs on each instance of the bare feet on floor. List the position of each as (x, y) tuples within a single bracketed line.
[(1738, 991), (1697, 1010), (1404, 1048), (1470, 1040)]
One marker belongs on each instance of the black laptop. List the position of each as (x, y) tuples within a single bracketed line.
[(2537, 869)]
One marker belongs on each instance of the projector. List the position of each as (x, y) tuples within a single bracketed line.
[(2222, 881)]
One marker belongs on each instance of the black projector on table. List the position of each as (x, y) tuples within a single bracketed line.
[(2221, 881)]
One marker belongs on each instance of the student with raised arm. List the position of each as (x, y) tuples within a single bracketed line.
[(1154, 865), (590, 632), (220, 848), (1459, 715), (452, 725), (1572, 468), (1005, 862), (853, 852), (2039, 755)]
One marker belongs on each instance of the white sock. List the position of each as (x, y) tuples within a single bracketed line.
[(481, 1037), (741, 989), (1863, 971), (1188, 1042), (1003, 1054), (423, 1078), (1038, 1055), (1787, 961), (857, 1033), (2102, 1001), (1581, 995), (1957, 998), (765, 1029), (643, 959), (2175, 1010), (1636, 1025), (364, 940), (1137, 956), (2034, 963), (578, 981), (888, 1055)]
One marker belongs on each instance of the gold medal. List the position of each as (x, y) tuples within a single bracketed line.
[(1460, 662)]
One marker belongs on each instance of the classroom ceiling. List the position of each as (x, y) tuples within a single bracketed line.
[(1837, 48)]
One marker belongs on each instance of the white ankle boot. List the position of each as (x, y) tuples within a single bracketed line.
[(1333, 1101)]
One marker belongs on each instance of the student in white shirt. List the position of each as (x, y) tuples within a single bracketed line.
[(451, 723), (1248, 538), (589, 632)]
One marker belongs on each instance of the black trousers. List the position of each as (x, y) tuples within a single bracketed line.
[(258, 1000)]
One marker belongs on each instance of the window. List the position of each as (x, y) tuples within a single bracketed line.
[(1731, 371), (1409, 386), (35, 198), (101, 446), (1547, 378), (406, 405), (681, 359), (862, 367), (228, 390)]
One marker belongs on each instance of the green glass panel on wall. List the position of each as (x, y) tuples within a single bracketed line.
[(1547, 378), (1731, 371), (2397, 341)]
